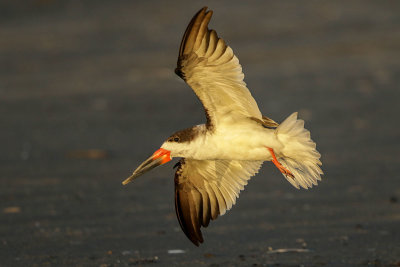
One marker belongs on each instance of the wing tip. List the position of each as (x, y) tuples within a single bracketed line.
[(190, 226), (186, 212), (191, 32), (179, 72)]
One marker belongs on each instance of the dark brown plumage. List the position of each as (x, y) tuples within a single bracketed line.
[(185, 135), (193, 208), (192, 37), (191, 40)]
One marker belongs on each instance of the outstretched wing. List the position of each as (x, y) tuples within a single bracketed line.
[(205, 189), (209, 66)]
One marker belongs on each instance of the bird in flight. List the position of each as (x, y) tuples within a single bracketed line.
[(219, 157)]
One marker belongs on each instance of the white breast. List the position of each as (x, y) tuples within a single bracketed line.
[(238, 141)]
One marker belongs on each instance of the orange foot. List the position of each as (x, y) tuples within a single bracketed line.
[(282, 169)]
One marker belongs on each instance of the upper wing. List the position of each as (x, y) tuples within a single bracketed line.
[(209, 66), (205, 189)]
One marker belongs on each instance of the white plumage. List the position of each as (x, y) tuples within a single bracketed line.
[(219, 157)]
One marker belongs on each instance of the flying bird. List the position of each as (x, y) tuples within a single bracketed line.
[(219, 157)]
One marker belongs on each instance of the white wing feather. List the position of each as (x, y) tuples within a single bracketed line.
[(205, 189), (210, 67)]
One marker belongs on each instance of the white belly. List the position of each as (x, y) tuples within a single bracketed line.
[(239, 142)]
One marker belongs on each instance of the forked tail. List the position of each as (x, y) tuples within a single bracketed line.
[(299, 155)]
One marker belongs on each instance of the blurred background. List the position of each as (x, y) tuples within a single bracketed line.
[(88, 91)]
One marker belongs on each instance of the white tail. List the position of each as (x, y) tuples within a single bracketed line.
[(299, 155)]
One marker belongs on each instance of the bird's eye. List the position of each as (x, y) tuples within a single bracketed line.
[(176, 139)]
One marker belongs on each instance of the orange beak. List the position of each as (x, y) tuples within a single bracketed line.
[(158, 158)]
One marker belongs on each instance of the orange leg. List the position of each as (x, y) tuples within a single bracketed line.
[(278, 165)]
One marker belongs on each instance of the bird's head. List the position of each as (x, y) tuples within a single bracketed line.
[(175, 146)]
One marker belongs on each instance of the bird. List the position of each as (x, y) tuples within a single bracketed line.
[(220, 156)]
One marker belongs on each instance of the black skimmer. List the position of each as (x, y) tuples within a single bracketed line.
[(220, 156)]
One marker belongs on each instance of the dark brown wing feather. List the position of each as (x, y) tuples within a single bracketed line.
[(211, 69), (191, 39), (188, 216), (193, 36), (266, 122), (189, 204), (205, 189)]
